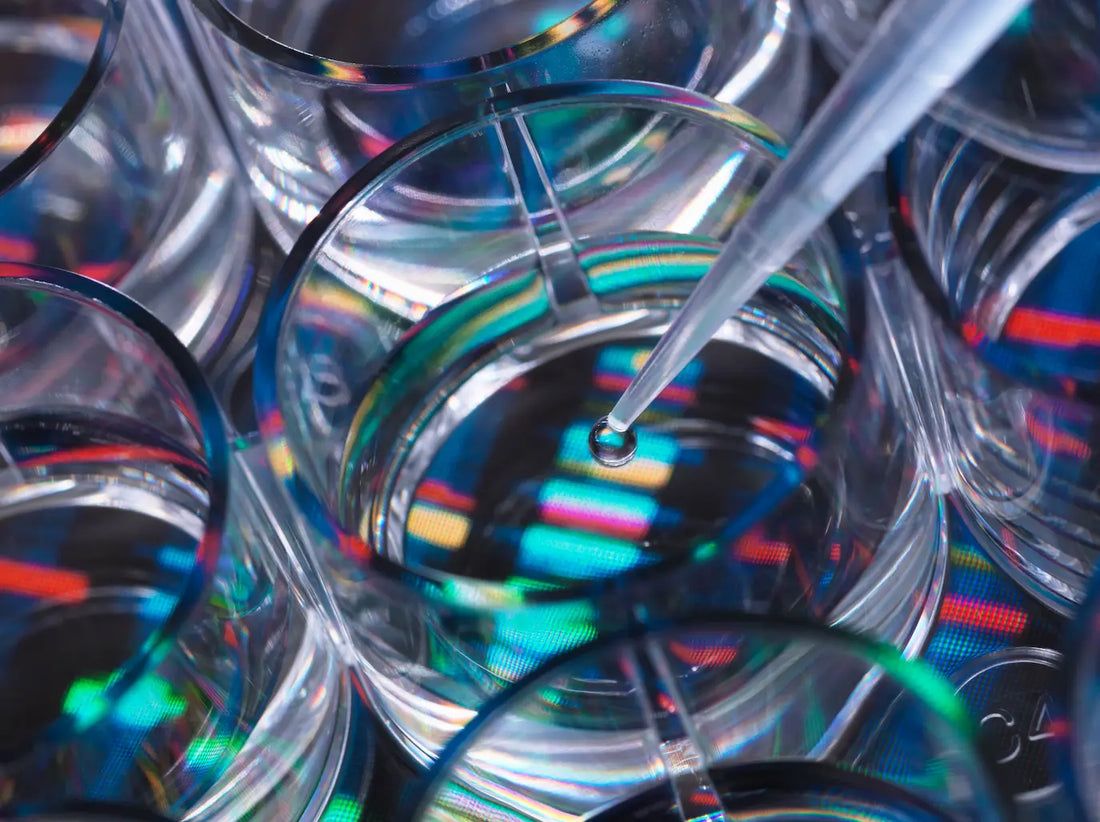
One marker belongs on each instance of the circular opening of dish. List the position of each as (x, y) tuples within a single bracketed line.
[(416, 32), (51, 54), (110, 497)]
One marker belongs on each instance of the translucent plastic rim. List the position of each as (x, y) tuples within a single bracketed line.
[(1001, 134), (62, 123), (914, 675), (19, 167), (158, 644), (919, 272), (473, 594), (1081, 638), (279, 53)]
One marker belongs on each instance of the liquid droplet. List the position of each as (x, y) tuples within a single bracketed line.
[(610, 447)]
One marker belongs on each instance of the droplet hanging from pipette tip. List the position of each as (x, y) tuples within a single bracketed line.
[(610, 447)]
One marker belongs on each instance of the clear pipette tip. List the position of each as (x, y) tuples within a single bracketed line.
[(919, 49)]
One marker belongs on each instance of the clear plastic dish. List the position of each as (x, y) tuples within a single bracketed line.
[(153, 653), (1035, 95), (313, 89), (719, 719), (1001, 255), (113, 164), (425, 389)]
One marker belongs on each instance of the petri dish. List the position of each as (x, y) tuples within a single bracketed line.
[(112, 163), (1032, 97), (426, 401), (998, 253), (153, 653), (720, 718), (336, 100)]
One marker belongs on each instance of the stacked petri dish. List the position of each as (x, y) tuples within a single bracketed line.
[(491, 210), (313, 90), (999, 251), (154, 654), (720, 719), (430, 369), (113, 164), (1033, 96)]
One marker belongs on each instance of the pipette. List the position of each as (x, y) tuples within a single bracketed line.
[(918, 50)]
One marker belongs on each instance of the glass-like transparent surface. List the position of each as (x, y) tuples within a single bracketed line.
[(1034, 95), (414, 33), (112, 164), (150, 645), (339, 82), (1005, 253), (755, 721), (432, 370)]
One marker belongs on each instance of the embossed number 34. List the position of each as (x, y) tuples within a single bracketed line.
[(1012, 731)]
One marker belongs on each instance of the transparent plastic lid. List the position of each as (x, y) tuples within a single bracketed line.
[(732, 719), (1034, 96)]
